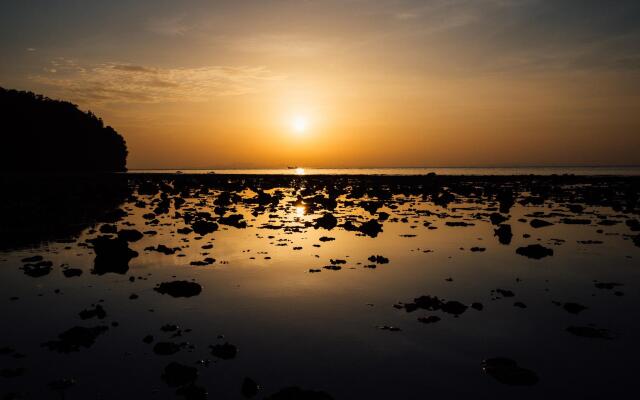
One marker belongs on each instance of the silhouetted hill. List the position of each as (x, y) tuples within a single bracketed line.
[(42, 134)]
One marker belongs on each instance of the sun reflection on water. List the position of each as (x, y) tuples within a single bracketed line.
[(299, 171)]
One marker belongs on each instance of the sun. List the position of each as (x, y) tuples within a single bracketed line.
[(300, 124)]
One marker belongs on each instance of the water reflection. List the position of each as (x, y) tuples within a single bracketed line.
[(322, 297)]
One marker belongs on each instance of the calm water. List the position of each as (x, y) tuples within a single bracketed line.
[(321, 330), (589, 171)]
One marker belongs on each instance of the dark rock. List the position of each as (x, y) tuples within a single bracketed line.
[(97, 312), (430, 319), (589, 332), (130, 235), (458, 223), (378, 259), (539, 223), (161, 248), (112, 255), (249, 388), (179, 288), (327, 221), (574, 308), (37, 269), (534, 251), (235, 220), (166, 348), (202, 227), (224, 351), (371, 228), (504, 234), (507, 371), (497, 218), (71, 272), (453, 307), (176, 374), (389, 328), (75, 338)]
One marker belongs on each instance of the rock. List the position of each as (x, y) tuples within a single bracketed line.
[(166, 348), (179, 288), (371, 228), (574, 308), (176, 374), (161, 248), (112, 255), (327, 221), (97, 312), (504, 234), (575, 221), (32, 259), (224, 351), (589, 332), (205, 262), (249, 388), (539, 223), (504, 292), (453, 307), (235, 220), (477, 306), (458, 223), (75, 338), (534, 251), (71, 272), (497, 218), (202, 227), (507, 371), (607, 285), (430, 319), (130, 235), (477, 249), (389, 328), (38, 269), (378, 259)]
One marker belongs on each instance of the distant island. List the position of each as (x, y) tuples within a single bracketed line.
[(40, 134)]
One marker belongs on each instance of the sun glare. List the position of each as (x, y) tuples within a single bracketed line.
[(299, 171), (300, 124)]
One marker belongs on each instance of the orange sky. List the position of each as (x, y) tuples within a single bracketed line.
[(404, 83)]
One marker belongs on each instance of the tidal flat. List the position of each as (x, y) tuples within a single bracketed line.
[(215, 286)]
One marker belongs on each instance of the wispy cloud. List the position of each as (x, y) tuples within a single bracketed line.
[(167, 26), (128, 83)]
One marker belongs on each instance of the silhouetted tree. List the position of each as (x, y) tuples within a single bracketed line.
[(42, 134)]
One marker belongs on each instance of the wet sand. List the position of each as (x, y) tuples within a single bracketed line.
[(316, 287)]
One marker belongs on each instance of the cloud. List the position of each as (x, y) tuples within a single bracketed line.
[(167, 26), (128, 83)]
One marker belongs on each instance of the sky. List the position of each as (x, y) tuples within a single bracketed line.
[(350, 83)]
